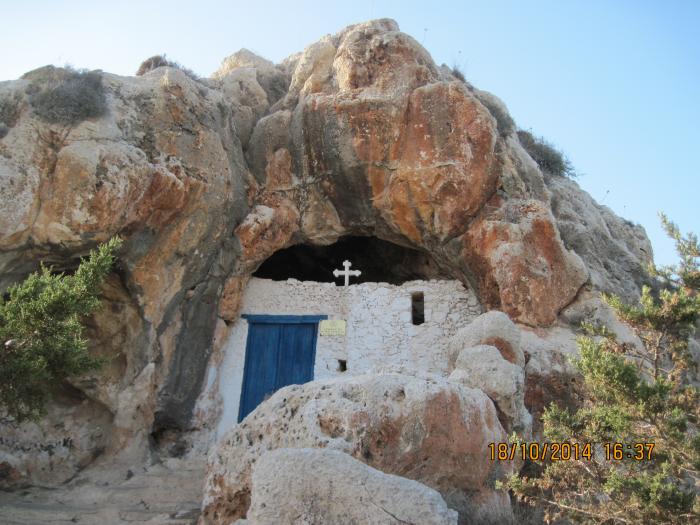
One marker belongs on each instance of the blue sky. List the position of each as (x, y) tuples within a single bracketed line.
[(614, 84)]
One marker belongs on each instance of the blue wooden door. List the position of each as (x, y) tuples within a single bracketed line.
[(280, 351)]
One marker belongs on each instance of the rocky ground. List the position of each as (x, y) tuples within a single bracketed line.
[(169, 493)]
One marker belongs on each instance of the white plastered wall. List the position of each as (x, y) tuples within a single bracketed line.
[(380, 333)]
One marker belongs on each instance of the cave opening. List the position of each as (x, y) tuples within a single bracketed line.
[(378, 260)]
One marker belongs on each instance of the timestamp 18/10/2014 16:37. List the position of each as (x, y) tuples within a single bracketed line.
[(569, 451)]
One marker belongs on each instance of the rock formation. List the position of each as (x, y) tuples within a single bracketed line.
[(360, 134), (326, 486), (432, 431)]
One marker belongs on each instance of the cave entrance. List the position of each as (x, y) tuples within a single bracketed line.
[(299, 323), (378, 260)]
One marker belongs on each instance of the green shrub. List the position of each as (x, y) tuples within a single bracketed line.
[(632, 395), (157, 61), (66, 96), (41, 331), (548, 158)]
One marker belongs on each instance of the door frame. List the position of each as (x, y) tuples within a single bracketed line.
[(276, 319)]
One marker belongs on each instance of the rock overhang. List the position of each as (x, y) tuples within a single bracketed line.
[(360, 134)]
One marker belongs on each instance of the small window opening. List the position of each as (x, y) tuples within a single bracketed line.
[(342, 365), (417, 308)]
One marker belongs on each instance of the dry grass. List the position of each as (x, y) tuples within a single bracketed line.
[(548, 158), (504, 121), (66, 96), (157, 61), (10, 106)]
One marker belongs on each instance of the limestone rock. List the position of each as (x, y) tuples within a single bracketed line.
[(247, 99), (229, 305), (167, 493), (55, 448), (164, 169), (492, 328), (273, 80), (432, 431), (483, 367), (267, 230), (589, 307), (549, 374), (525, 267), (396, 151), (377, 54), (242, 58), (361, 134), (615, 251), (318, 486), (313, 68)]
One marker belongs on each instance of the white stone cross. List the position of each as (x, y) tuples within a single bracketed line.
[(347, 272)]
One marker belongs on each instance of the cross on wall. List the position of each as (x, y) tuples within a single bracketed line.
[(347, 272)]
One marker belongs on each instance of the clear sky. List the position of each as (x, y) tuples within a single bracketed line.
[(614, 84)]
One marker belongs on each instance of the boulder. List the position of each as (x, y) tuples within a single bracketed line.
[(55, 448), (247, 99), (525, 269), (549, 374), (483, 367), (432, 431), (492, 328), (327, 486), (273, 79), (313, 68)]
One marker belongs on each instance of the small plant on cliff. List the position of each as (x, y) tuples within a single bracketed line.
[(457, 72), (157, 61), (504, 122), (639, 400), (66, 96), (548, 158), (10, 108), (41, 331)]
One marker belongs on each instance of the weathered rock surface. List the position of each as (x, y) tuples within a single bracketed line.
[(492, 328), (432, 431), (526, 269), (164, 169), (318, 486), (616, 251), (549, 374), (168, 493), (359, 134), (55, 448), (484, 368)]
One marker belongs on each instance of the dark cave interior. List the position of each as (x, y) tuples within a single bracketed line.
[(378, 260)]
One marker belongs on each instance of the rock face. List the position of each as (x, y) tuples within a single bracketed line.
[(492, 328), (487, 354), (164, 169), (483, 367), (327, 486), (432, 431), (615, 251), (360, 134)]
